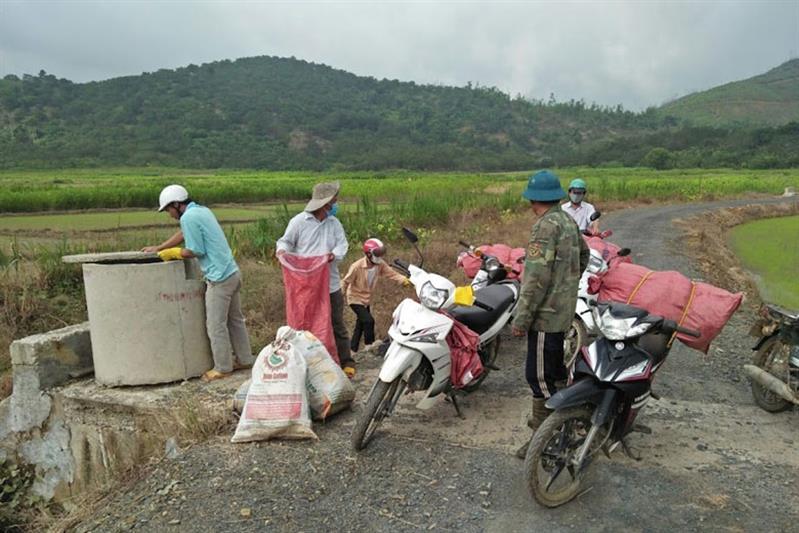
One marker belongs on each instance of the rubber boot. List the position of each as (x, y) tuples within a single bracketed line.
[(534, 421)]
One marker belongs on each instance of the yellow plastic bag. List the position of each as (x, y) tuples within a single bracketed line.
[(464, 295), (170, 254)]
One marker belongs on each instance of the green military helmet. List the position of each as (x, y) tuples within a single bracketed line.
[(544, 186), (577, 183)]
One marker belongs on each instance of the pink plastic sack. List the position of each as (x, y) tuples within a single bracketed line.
[(466, 365), (692, 304), (507, 255), (306, 280)]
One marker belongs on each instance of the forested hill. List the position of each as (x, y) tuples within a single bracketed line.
[(768, 99), (278, 113)]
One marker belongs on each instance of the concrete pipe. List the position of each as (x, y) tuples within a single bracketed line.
[(147, 321)]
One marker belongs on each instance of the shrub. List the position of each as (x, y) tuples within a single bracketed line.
[(659, 159)]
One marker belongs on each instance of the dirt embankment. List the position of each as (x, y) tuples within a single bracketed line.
[(706, 241)]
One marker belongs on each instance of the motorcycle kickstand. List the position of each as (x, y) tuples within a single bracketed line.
[(454, 401)]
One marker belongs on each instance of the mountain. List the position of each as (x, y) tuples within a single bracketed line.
[(269, 112), (770, 99), (285, 113)]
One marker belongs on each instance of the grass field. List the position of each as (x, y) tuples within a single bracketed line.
[(36, 191), (770, 249), (99, 221), (373, 203)]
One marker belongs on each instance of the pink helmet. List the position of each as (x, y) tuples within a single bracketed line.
[(374, 249)]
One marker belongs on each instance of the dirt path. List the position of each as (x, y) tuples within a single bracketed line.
[(714, 461)]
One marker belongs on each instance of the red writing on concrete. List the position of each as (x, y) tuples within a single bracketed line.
[(180, 296)]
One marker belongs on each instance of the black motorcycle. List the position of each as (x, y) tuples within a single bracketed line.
[(612, 382), (775, 366)]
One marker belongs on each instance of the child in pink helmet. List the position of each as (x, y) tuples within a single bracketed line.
[(358, 284)]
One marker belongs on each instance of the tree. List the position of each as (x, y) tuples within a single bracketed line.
[(659, 158)]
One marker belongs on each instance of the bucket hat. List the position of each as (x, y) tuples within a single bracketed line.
[(544, 186), (322, 194)]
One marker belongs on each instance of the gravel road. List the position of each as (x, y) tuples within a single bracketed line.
[(713, 462)]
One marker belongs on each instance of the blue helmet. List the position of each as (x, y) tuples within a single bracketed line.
[(544, 186), (577, 183)]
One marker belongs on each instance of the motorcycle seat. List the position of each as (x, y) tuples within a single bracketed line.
[(620, 310), (499, 297)]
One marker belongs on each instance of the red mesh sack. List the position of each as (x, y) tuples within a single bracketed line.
[(466, 364), (691, 304), (507, 255), (306, 280)]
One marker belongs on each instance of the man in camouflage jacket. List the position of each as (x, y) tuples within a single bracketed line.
[(555, 260)]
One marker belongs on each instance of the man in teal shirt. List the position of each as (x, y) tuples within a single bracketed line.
[(204, 239)]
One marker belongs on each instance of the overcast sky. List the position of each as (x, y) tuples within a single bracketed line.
[(634, 53)]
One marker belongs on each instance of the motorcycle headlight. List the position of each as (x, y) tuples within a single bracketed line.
[(617, 329), (431, 297), (594, 265)]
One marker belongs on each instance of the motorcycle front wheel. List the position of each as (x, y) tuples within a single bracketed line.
[(773, 358), (573, 341), (549, 469), (379, 404)]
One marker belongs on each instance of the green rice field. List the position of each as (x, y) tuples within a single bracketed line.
[(36, 191), (73, 207), (770, 249)]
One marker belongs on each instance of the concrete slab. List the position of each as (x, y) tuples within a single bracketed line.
[(113, 257), (56, 356), (113, 429)]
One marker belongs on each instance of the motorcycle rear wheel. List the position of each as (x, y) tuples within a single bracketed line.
[(492, 350), (573, 342), (548, 459), (773, 358), (376, 409)]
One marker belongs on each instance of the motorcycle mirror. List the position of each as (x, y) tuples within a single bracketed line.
[(624, 252), (411, 236), (595, 215)]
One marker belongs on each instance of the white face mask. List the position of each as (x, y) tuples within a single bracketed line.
[(576, 197)]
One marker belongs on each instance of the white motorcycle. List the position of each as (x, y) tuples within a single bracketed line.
[(418, 358), (584, 326)]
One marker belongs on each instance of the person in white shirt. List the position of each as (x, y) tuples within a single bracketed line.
[(579, 210), (317, 231)]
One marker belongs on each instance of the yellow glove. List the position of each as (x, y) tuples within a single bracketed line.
[(170, 254), (464, 295)]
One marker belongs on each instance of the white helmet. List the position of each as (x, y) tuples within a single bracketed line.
[(172, 193)]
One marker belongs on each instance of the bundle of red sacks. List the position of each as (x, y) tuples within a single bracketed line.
[(692, 304)]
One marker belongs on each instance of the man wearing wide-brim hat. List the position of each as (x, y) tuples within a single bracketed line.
[(555, 259), (316, 231)]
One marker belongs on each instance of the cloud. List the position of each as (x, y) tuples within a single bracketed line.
[(634, 53)]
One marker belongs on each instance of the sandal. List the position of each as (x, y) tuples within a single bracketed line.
[(213, 375)]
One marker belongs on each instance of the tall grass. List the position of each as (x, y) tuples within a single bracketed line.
[(67, 190)]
